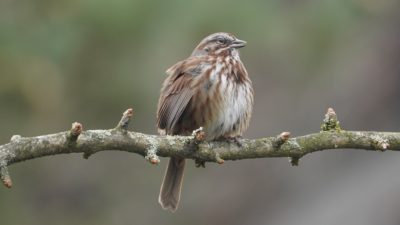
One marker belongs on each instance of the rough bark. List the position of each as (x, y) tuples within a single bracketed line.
[(191, 147)]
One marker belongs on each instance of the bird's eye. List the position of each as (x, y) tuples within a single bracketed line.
[(221, 41)]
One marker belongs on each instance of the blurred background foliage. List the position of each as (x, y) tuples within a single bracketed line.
[(89, 60)]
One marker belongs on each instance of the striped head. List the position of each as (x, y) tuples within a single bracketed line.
[(217, 44)]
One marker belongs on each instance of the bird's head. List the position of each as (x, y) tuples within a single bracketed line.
[(218, 43)]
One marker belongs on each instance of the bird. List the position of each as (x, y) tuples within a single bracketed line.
[(209, 89)]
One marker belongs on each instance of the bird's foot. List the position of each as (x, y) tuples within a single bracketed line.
[(238, 140)]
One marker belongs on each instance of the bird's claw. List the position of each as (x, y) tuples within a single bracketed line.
[(238, 140)]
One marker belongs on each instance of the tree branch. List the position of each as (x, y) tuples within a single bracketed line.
[(191, 147)]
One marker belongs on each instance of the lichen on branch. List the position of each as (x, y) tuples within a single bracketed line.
[(151, 147)]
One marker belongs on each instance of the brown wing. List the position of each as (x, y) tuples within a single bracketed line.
[(175, 97)]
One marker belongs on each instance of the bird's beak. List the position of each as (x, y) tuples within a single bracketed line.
[(238, 43)]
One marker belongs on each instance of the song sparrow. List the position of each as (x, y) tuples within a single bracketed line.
[(210, 89)]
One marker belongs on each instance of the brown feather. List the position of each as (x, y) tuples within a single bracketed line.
[(210, 89)]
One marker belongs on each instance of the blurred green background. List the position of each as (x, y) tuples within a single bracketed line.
[(87, 61)]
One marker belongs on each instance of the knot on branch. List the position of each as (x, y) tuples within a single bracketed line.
[(294, 161), (151, 153), (331, 122), (73, 135), (281, 139), (200, 163), (218, 159), (87, 154), (75, 131), (215, 158), (15, 138), (379, 143)]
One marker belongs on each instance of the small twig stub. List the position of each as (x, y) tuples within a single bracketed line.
[(281, 139), (126, 117), (75, 131), (5, 177), (330, 122)]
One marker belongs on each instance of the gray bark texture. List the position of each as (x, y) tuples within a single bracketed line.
[(190, 147)]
